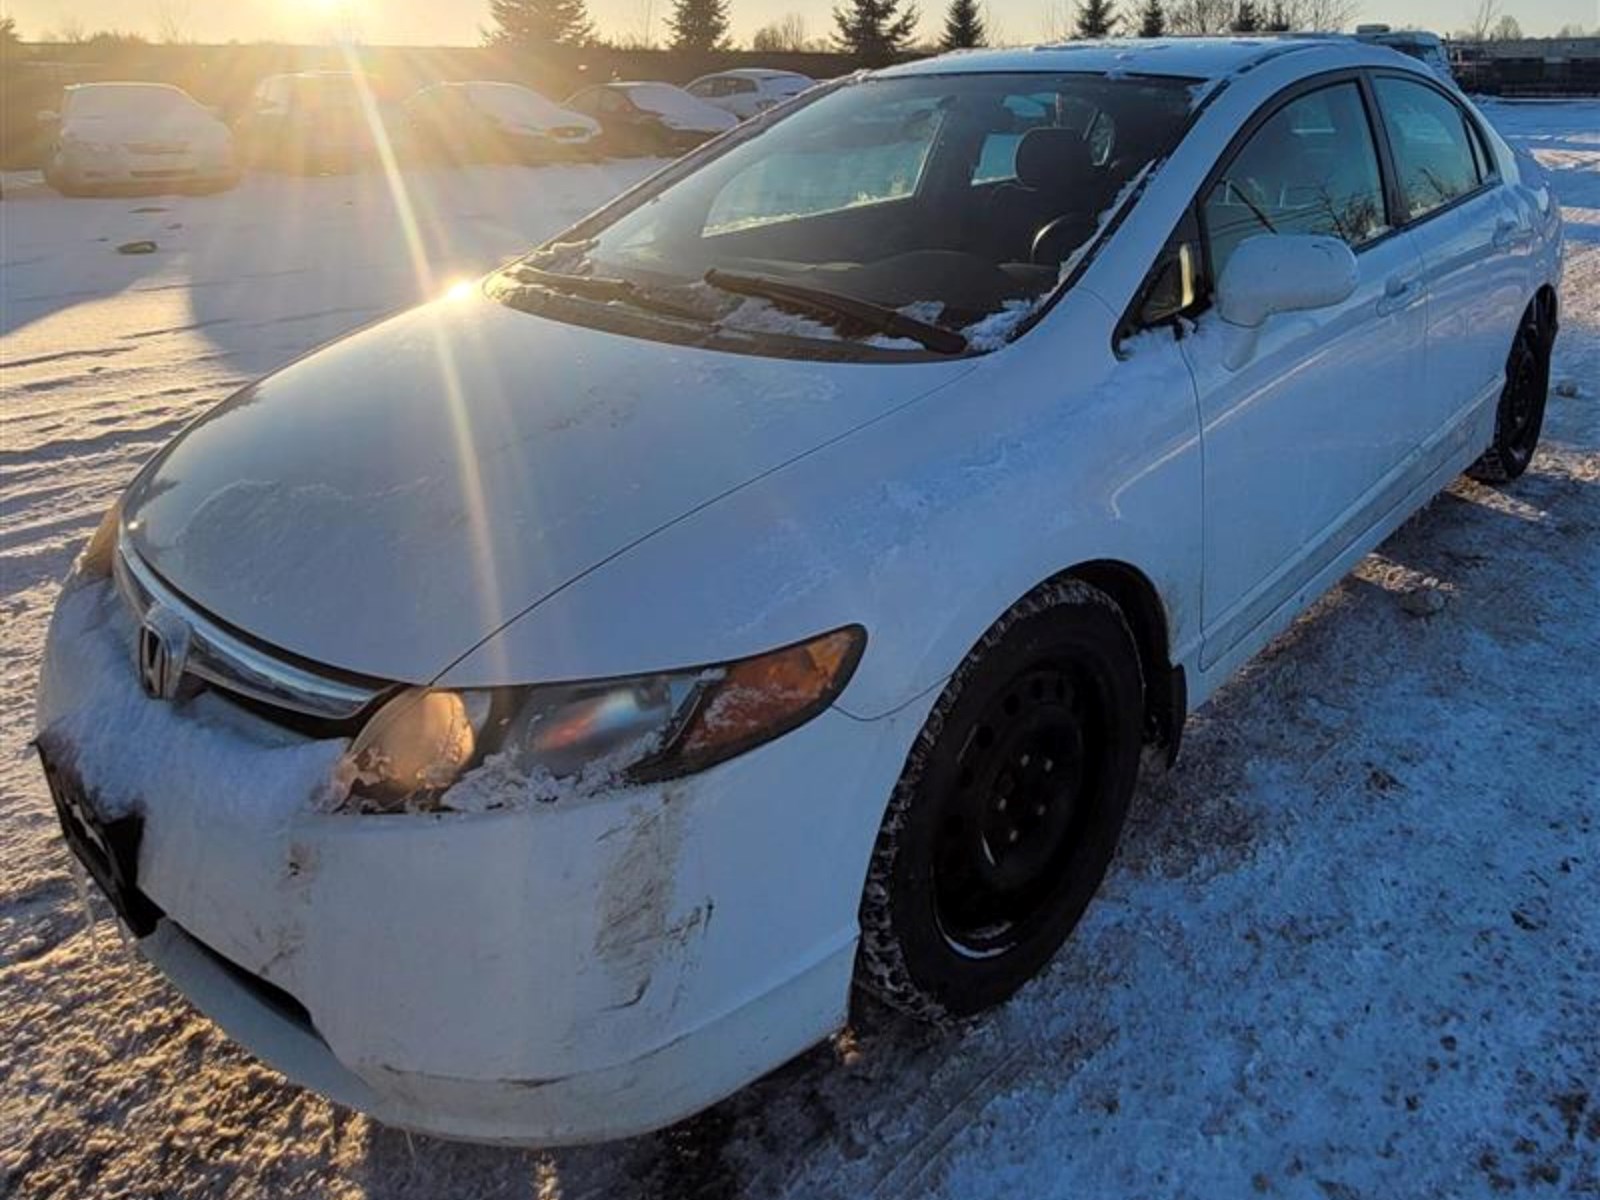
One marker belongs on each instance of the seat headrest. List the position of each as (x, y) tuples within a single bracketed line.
[(1053, 159)]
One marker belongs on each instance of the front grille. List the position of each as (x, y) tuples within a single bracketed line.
[(273, 684)]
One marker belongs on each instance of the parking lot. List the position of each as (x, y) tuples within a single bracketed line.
[(1350, 947)]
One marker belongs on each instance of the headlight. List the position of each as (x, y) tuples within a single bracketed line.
[(95, 560), (638, 729)]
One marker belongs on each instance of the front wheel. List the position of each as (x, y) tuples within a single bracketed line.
[(1520, 415), (1008, 810)]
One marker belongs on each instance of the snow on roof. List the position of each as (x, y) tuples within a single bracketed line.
[(1189, 58), (756, 73)]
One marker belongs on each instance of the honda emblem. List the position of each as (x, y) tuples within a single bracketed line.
[(163, 652)]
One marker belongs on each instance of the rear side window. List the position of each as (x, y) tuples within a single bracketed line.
[(1434, 151), (1312, 167)]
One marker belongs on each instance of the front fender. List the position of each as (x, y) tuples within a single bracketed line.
[(924, 527)]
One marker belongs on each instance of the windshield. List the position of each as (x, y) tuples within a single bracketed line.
[(961, 201), (130, 101)]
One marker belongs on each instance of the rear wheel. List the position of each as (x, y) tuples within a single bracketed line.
[(1009, 808), (1520, 416)]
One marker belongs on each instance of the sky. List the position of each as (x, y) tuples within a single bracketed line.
[(448, 22)]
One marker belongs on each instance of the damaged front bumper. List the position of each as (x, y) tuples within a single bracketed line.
[(549, 974)]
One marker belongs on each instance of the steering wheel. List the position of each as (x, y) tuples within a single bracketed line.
[(1075, 222)]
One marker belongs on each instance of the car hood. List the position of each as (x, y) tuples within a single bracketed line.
[(386, 503)]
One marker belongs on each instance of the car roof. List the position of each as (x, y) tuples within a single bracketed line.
[(1186, 58), (754, 73), (142, 84)]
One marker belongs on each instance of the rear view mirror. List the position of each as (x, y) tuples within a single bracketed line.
[(1279, 273)]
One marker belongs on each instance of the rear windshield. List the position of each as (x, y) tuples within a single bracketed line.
[(960, 200)]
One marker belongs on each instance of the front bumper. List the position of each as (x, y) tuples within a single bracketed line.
[(119, 166), (555, 973)]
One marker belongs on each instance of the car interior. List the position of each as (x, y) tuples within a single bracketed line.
[(963, 192)]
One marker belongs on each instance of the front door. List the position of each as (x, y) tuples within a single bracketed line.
[(1302, 440)]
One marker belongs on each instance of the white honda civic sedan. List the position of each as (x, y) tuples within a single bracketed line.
[(528, 719)]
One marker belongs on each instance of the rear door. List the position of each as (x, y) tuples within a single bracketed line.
[(1472, 242), (1304, 442)]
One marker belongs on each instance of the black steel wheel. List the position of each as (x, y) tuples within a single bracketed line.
[(1520, 416), (1008, 810)]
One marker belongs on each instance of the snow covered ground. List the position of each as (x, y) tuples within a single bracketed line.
[(1350, 949)]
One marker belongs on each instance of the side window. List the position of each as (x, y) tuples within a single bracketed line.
[(1173, 286), (1312, 167), (703, 87), (1433, 150)]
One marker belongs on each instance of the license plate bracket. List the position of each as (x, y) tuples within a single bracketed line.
[(108, 849)]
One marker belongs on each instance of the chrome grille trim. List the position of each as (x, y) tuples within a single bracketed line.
[(228, 662)]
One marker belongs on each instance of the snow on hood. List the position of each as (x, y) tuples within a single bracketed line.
[(679, 109), (388, 502), (511, 104)]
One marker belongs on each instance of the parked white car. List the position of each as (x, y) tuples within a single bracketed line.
[(486, 120), (1427, 48), (528, 719), (748, 91), (137, 135)]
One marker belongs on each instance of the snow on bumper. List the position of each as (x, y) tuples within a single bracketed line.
[(558, 973), (115, 165)]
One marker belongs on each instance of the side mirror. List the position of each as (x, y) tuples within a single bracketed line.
[(1279, 273), (48, 116)]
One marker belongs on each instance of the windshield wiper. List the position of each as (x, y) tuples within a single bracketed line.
[(606, 290), (821, 302)]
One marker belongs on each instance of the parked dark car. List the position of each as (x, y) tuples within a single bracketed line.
[(482, 121), (650, 118)]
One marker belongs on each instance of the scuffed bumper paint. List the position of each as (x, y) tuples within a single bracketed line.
[(559, 972)]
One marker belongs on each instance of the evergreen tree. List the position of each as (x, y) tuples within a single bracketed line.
[(875, 31), (699, 24), (963, 27), (1152, 20), (1278, 22), (539, 23), (1096, 19), (1247, 19)]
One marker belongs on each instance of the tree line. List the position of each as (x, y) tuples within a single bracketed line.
[(878, 31)]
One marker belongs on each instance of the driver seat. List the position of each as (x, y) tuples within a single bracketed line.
[(1055, 178)]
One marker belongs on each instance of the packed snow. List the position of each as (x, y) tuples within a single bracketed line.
[(1350, 947)]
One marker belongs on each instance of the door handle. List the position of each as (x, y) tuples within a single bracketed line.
[(1398, 293)]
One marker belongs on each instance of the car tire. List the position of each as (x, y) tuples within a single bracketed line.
[(1520, 414), (1008, 810)]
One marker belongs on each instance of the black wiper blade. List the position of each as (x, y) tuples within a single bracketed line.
[(602, 288), (819, 301)]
